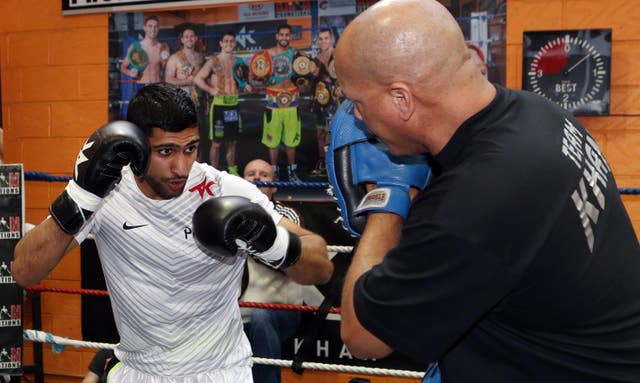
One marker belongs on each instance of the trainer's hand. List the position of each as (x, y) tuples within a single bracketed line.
[(356, 159), (98, 170), (228, 224)]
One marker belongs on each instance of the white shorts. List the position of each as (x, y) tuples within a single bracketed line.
[(122, 374)]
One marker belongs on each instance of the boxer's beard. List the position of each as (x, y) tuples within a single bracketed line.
[(159, 186)]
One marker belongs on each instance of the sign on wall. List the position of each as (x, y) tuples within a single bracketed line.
[(73, 7)]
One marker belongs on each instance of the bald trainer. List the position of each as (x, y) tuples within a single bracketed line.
[(518, 261)]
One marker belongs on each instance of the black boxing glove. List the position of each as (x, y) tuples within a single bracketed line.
[(228, 224), (98, 170)]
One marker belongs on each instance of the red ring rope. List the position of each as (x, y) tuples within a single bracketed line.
[(104, 293)]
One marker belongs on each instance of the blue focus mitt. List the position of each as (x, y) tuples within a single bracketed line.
[(356, 158)]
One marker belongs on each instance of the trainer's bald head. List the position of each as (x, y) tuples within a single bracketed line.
[(402, 40), (405, 65)]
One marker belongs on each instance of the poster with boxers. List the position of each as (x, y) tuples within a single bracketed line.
[(255, 26), (11, 223)]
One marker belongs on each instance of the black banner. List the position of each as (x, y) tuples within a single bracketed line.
[(11, 223)]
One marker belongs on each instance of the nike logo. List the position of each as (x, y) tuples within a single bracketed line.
[(127, 227)]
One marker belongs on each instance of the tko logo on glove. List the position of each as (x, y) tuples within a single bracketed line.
[(82, 158)]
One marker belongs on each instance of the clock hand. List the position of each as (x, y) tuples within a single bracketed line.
[(575, 65)]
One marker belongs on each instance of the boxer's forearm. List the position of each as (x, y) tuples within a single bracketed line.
[(314, 266), (39, 251)]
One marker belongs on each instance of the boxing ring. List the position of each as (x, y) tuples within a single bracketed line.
[(58, 343)]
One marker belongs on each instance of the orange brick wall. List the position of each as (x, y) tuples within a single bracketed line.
[(54, 93)]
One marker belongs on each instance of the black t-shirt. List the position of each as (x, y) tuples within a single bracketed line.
[(518, 263)]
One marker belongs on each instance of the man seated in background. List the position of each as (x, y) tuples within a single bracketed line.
[(265, 328)]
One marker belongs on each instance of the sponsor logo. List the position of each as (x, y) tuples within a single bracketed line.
[(11, 358), (10, 183), (10, 229), (129, 227), (376, 198), (203, 187), (5, 274), (11, 316)]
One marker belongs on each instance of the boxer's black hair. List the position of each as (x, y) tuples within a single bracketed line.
[(228, 32), (284, 26), (162, 105)]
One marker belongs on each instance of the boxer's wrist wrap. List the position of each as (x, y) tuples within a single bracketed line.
[(284, 252), (69, 216), (85, 199)]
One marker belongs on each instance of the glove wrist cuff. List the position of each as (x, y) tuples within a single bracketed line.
[(83, 198), (69, 216), (285, 250)]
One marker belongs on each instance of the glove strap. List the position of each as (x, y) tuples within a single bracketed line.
[(286, 250), (68, 214)]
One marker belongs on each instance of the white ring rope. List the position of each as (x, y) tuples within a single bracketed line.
[(58, 344), (342, 368), (330, 248), (339, 249)]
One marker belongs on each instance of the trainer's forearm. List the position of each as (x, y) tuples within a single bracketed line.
[(39, 251), (382, 232)]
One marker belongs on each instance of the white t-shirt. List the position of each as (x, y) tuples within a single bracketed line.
[(174, 303)]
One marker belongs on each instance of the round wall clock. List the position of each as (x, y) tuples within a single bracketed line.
[(571, 68)]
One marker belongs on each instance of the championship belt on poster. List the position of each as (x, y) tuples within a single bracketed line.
[(331, 68), (165, 51), (302, 82), (303, 65), (334, 90), (241, 72), (138, 58), (284, 99), (260, 65), (322, 93)]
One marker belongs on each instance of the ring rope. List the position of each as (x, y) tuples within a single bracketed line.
[(104, 293), (58, 344), (40, 176), (340, 249)]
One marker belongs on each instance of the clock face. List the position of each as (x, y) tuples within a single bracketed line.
[(570, 68)]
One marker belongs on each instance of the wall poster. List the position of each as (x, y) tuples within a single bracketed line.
[(254, 25)]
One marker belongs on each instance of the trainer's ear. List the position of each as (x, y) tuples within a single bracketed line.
[(402, 100)]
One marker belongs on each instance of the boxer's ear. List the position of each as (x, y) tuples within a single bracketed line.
[(402, 100)]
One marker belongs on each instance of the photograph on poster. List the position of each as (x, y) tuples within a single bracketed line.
[(247, 76)]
